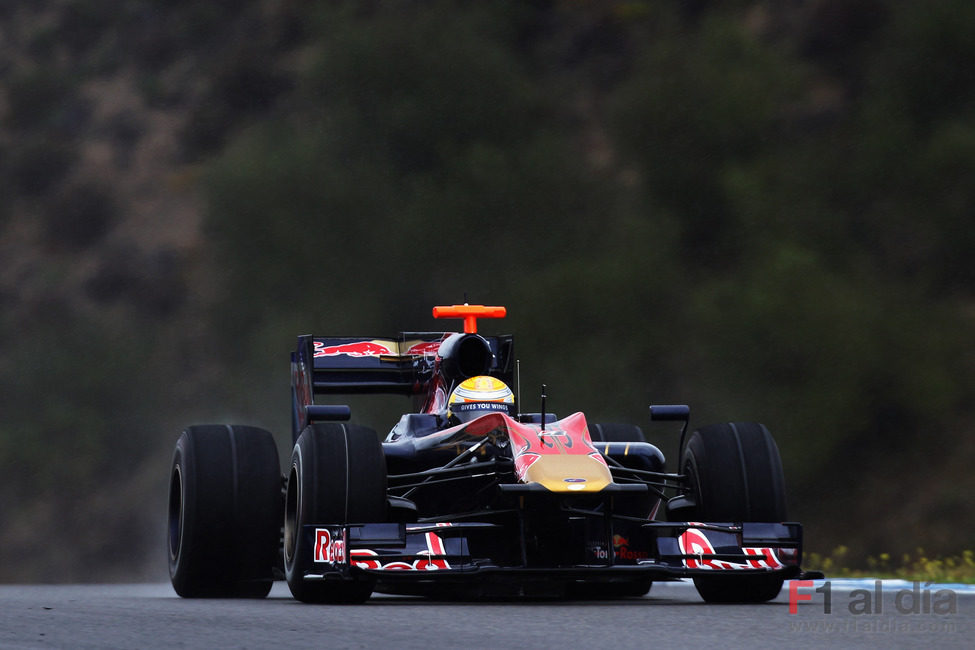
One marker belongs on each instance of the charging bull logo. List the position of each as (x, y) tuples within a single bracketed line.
[(357, 349), (621, 547)]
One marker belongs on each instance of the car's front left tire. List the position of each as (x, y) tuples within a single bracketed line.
[(735, 474)]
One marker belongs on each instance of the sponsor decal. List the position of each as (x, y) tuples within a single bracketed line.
[(302, 386), (327, 548), (323, 542), (479, 406), (621, 550), (694, 542), (365, 558), (431, 559), (768, 558), (426, 347), (356, 349), (575, 483), (621, 546), (599, 552), (338, 550), (434, 555)]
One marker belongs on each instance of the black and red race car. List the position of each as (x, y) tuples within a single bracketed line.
[(469, 495)]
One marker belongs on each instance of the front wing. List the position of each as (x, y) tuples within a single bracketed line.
[(441, 553)]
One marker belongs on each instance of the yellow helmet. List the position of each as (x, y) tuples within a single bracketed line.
[(478, 396)]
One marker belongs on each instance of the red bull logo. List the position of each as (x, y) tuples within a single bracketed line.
[(432, 558), (328, 548), (356, 349), (693, 542)]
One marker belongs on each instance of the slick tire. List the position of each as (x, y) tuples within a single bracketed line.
[(224, 512), (735, 474), (616, 433), (337, 476)]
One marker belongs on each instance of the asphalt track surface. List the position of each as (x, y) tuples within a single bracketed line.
[(671, 616)]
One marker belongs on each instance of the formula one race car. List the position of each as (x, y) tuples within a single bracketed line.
[(468, 495)]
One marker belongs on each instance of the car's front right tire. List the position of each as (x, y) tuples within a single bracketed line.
[(224, 512), (616, 433)]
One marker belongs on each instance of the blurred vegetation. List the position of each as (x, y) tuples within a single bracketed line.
[(762, 210), (916, 566)]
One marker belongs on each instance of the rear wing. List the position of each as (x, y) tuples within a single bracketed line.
[(404, 365)]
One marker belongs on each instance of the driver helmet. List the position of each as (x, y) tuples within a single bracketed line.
[(479, 396)]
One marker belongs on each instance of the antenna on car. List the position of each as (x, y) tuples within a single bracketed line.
[(518, 388), (542, 431)]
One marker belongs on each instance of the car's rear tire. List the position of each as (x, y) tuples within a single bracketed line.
[(616, 433), (734, 473), (337, 476), (224, 512)]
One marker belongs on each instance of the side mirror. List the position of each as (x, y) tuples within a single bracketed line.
[(670, 413)]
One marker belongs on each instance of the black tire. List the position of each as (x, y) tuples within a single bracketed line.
[(224, 512), (734, 473), (616, 433), (337, 476)]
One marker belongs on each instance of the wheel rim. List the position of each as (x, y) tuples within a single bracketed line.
[(291, 507), (176, 510)]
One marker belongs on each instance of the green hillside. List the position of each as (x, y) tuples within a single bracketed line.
[(760, 209)]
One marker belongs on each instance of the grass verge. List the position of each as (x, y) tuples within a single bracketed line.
[(911, 567)]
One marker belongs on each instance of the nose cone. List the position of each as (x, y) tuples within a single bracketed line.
[(565, 473), (561, 458)]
